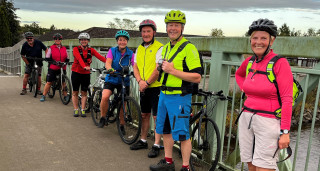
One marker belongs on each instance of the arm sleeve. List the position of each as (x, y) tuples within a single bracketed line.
[(43, 47), (48, 55), (109, 54), (192, 57), (158, 55), (241, 73), (97, 55), (132, 59), (135, 59), (284, 79), (78, 57)]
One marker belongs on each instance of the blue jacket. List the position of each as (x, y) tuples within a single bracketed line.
[(125, 61)]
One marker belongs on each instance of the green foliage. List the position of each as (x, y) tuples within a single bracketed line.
[(9, 20), (4, 29), (215, 32), (123, 24), (36, 29), (284, 30)]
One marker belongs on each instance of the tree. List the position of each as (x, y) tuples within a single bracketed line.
[(311, 32), (11, 18), (284, 30), (295, 33), (216, 33), (318, 32), (4, 29), (123, 24), (53, 28)]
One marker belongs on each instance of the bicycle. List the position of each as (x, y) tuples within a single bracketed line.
[(205, 135), (94, 95), (62, 82), (125, 109), (33, 80)]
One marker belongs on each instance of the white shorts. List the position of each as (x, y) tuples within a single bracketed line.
[(259, 143)]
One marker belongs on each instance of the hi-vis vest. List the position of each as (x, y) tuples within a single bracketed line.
[(146, 61)]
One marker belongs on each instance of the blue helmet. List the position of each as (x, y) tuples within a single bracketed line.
[(122, 33)]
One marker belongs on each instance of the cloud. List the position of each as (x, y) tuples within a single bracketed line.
[(30, 22), (156, 7)]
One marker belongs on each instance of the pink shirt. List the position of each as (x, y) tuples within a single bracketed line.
[(262, 94)]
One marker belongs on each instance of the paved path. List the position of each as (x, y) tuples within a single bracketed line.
[(46, 136)]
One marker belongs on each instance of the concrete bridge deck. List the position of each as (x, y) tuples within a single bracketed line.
[(46, 136)]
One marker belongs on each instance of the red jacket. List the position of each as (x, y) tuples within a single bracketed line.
[(58, 55), (79, 64)]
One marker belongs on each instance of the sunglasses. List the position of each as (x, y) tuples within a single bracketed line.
[(29, 38), (57, 38)]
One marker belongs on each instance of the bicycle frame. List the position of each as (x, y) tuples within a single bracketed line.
[(203, 112)]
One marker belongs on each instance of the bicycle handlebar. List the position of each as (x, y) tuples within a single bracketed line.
[(100, 70), (119, 74), (36, 58), (59, 63), (219, 94)]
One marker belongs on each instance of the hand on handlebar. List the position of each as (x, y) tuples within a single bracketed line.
[(87, 68)]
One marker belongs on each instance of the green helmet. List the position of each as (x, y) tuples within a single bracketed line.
[(175, 16)]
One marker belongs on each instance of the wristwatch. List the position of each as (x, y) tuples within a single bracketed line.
[(285, 131)]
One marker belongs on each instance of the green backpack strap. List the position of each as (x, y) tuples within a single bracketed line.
[(252, 59)]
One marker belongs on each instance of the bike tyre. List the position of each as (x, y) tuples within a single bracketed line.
[(197, 158), (113, 112), (52, 90), (87, 108), (133, 121), (68, 86), (95, 107), (36, 82)]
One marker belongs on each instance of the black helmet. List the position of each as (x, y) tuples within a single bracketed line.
[(263, 25), (28, 34), (57, 36)]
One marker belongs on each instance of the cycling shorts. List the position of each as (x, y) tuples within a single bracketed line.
[(52, 74), (78, 80), (28, 69), (259, 143), (111, 87), (174, 115), (149, 100)]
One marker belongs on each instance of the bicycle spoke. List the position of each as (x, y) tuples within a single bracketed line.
[(130, 130), (206, 148)]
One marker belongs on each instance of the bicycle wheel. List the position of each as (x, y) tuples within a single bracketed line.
[(112, 109), (95, 107), (65, 90), (30, 83), (52, 89), (205, 157), (130, 131), (35, 83), (88, 105)]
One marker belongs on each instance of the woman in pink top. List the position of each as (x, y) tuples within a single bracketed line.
[(262, 134)]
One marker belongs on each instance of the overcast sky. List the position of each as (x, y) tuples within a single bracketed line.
[(232, 16)]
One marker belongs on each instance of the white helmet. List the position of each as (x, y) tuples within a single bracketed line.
[(84, 36)]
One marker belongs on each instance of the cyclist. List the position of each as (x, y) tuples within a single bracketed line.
[(31, 48), (175, 97), (57, 53), (146, 74), (81, 71), (120, 54), (259, 131)]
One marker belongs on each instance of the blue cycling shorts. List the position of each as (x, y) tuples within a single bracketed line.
[(173, 116)]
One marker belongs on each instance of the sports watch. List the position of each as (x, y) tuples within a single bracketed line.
[(285, 131)]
